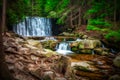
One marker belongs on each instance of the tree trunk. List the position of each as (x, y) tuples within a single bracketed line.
[(115, 14), (4, 71)]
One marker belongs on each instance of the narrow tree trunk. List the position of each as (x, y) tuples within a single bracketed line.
[(4, 72), (115, 13)]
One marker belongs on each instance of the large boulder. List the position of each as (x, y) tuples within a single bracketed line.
[(89, 44), (49, 44), (85, 45)]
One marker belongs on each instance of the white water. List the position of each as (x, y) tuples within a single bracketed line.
[(63, 48), (33, 26)]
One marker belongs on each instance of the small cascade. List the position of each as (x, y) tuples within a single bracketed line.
[(103, 46), (113, 51), (63, 48), (93, 52), (33, 26)]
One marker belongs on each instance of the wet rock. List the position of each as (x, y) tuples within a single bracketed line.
[(49, 44), (116, 61)]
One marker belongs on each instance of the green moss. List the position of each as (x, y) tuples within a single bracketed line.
[(74, 49)]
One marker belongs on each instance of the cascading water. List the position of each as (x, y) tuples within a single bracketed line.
[(34, 26), (63, 48)]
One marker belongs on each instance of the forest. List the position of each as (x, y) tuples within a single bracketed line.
[(59, 40)]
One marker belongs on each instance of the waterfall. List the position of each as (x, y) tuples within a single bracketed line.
[(63, 48), (33, 26)]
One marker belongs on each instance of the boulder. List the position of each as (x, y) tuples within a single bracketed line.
[(48, 75), (89, 44), (84, 66), (101, 51), (49, 44), (116, 61)]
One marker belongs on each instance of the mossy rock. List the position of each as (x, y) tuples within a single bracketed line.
[(74, 48), (87, 51), (89, 44)]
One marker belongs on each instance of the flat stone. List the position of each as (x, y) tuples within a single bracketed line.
[(84, 65)]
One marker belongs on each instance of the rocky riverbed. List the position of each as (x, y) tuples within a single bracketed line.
[(27, 59)]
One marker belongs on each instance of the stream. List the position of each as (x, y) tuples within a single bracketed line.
[(89, 58)]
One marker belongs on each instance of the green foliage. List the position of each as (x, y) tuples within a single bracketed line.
[(113, 34), (57, 9), (99, 22), (97, 13), (91, 27), (100, 16), (18, 10)]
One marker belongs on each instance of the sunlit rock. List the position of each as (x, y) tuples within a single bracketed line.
[(33, 42), (89, 44), (49, 52)]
